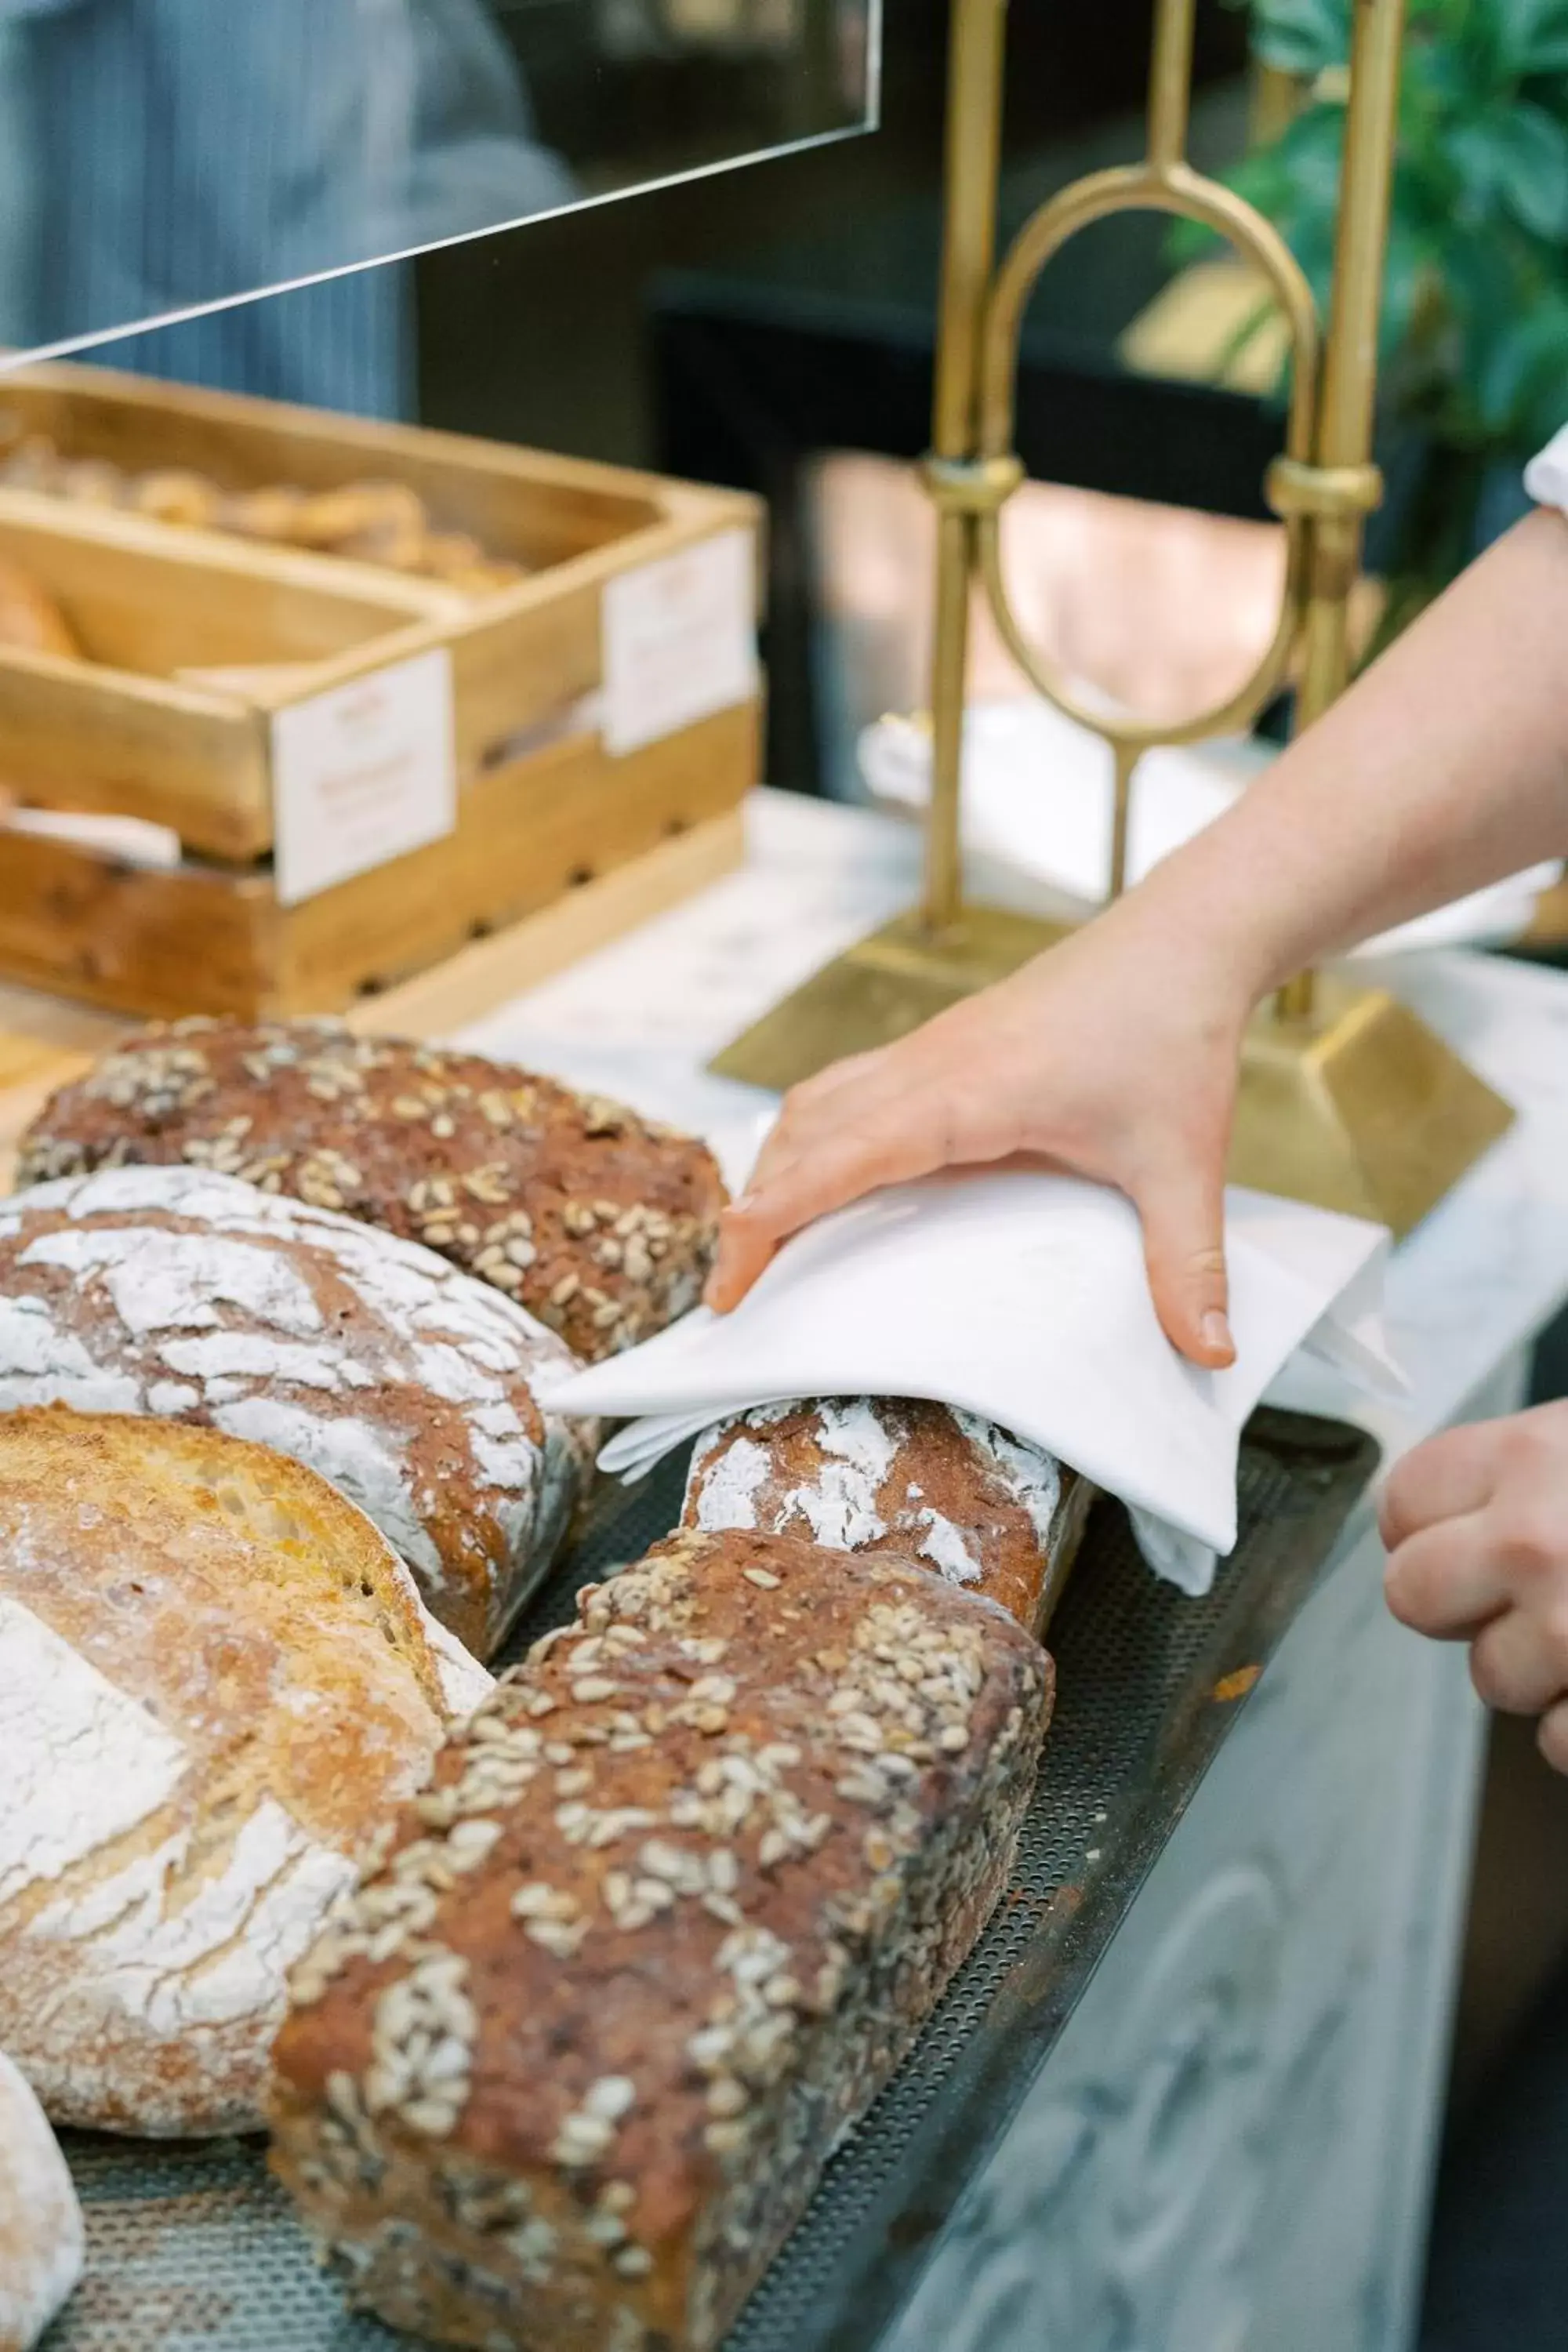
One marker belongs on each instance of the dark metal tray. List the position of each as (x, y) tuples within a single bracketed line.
[(192, 2249)]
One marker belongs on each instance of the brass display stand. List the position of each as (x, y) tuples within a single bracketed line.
[(1346, 1098)]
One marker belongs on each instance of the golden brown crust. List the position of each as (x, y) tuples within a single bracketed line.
[(41, 2234), (173, 1292), (600, 1223), (222, 1689), (671, 1911), (212, 1530), (178, 495), (899, 1475)]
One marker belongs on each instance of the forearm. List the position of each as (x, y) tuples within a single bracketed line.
[(1443, 769)]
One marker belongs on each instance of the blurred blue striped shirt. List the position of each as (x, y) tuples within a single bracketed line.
[(176, 151)]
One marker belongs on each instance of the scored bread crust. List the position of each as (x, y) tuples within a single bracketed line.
[(193, 1297), (985, 1509), (41, 2234), (221, 1689), (600, 1223), (675, 1905)]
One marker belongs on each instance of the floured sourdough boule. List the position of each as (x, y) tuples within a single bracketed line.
[(678, 1896), (193, 1297), (42, 2239), (600, 1223), (984, 1508), (220, 1685)]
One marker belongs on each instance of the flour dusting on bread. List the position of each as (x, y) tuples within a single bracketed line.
[(42, 2239), (409, 1385), (222, 1686), (880, 1474)]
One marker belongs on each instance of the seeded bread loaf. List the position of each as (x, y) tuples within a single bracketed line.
[(600, 1223), (895, 1474), (567, 2070), (41, 2235), (175, 1292), (219, 1685)]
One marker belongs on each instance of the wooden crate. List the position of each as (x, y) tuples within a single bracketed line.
[(542, 804), (122, 732), (46, 1042)]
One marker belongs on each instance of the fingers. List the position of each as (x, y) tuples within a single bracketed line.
[(928, 1102), (1183, 1246), (888, 1150), (1551, 1738), (811, 1110), (1447, 1580), (838, 1136), (1520, 1662), (744, 1250), (1448, 1477)]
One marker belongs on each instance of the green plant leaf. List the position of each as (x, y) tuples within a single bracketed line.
[(1300, 36), (1535, 169), (1308, 152), (1522, 380), (1474, 328), (1518, 159), (1532, 36), (1410, 265)]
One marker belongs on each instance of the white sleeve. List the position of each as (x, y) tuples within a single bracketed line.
[(1546, 475)]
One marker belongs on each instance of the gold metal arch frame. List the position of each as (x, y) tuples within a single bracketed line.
[(1163, 181), (1346, 1098)]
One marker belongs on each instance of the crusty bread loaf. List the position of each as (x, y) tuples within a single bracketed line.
[(220, 1687), (896, 1473), (599, 1222), (176, 1292), (567, 2070), (41, 2234)]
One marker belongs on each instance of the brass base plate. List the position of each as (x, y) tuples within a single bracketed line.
[(878, 990), (1362, 1109)]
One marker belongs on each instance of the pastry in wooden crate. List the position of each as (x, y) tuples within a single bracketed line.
[(600, 1223), (468, 587), (30, 619), (369, 521)]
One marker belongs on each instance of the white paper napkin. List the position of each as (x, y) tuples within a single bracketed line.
[(1038, 791), (1022, 1296)]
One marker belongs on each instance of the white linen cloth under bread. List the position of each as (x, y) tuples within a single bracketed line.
[(1020, 1296)]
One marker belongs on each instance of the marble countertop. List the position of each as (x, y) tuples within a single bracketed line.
[(639, 1020)]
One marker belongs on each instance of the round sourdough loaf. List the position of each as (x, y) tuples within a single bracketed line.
[(193, 1297), (41, 2235), (218, 1684), (600, 1223), (897, 1475)]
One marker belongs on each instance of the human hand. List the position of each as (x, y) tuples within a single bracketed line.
[(1476, 1524), (1114, 1055)]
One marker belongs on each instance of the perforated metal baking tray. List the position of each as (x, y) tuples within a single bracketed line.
[(192, 2249)]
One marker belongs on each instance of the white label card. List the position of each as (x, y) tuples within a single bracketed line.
[(362, 773), (680, 640)]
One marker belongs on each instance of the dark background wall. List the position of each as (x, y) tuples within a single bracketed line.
[(539, 335)]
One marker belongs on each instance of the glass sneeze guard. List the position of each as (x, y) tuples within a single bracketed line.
[(162, 159)]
